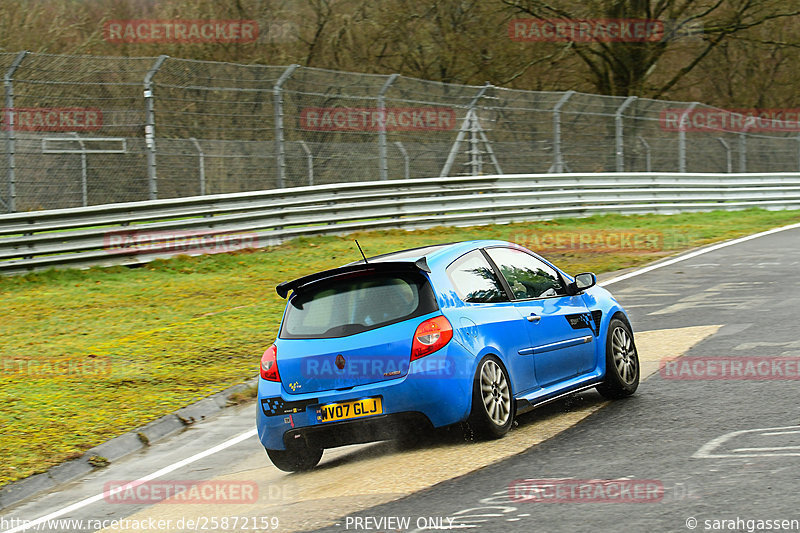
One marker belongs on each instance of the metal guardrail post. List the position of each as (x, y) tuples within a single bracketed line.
[(620, 145), (201, 164), (728, 155), (150, 126), (648, 162), (682, 137), (11, 139), (558, 158), (280, 148), (406, 162), (382, 156), (309, 161)]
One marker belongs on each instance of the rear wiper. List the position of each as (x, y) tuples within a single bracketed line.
[(346, 329)]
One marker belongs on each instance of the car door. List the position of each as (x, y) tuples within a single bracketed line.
[(558, 350), (486, 317)]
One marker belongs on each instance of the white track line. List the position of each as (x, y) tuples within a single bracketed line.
[(157, 474), (696, 253), (253, 432)]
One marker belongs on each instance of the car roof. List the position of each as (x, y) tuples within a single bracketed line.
[(433, 254), (411, 254), (423, 258)]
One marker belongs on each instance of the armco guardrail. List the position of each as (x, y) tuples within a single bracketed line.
[(138, 232)]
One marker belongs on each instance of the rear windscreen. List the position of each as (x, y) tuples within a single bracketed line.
[(350, 305)]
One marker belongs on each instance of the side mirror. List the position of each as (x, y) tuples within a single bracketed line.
[(584, 281)]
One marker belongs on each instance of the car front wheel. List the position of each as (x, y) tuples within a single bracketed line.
[(622, 362)]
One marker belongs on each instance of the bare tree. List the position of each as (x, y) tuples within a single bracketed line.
[(654, 68)]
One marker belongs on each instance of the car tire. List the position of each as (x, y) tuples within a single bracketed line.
[(297, 459), (622, 362), (492, 413)]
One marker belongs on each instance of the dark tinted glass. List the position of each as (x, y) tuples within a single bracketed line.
[(355, 304), (474, 280), (527, 276)]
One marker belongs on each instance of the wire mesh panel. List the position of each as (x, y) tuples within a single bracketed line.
[(649, 143), (427, 119), (773, 154), (228, 109), (6, 60), (77, 96), (524, 133), (336, 115), (588, 133), (85, 130)]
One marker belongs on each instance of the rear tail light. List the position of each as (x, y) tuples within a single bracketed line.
[(269, 364), (431, 335)]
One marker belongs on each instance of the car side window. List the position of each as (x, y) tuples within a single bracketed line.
[(474, 279), (528, 276)]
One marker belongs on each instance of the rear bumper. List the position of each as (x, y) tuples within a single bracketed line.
[(381, 427), (423, 398)]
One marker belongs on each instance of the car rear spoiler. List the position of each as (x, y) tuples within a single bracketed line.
[(378, 266)]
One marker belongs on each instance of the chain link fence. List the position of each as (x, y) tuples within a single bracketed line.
[(86, 130)]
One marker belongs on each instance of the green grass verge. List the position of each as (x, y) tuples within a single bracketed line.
[(140, 343)]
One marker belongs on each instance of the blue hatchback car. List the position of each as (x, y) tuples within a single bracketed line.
[(473, 332)]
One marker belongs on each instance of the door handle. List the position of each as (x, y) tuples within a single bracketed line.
[(533, 318)]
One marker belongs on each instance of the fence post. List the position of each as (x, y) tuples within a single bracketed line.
[(558, 159), (280, 149), (11, 139), (682, 138), (309, 161), (406, 162), (84, 170), (648, 162), (728, 158), (382, 127), (743, 147), (743, 152), (201, 163), (620, 145), (150, 126)]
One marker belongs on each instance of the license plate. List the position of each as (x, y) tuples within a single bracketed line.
[(346, 410)]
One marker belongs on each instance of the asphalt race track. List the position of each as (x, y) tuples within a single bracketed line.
[(710, 442)]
